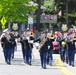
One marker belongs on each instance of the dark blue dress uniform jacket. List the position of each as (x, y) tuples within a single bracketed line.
[(44, 48)]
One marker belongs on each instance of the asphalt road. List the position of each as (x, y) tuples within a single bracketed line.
[(18, 67)]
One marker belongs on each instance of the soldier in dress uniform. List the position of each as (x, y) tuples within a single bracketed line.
[(13, 43), (22, 41), (26, 47), (60, 39), (67, 39), (50, 51), (43, 40), (71, 50), (63, 49), (7, 47)]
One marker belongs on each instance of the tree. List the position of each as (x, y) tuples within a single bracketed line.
[(38, 13), (68, 9), (15, 10), (49, 6)]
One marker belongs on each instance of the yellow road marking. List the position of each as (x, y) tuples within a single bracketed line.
[(62, 68)]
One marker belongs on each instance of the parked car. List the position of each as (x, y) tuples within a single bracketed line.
[(56, 47)]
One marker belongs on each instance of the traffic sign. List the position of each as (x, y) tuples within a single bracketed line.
[(3, 22), (3, 27)]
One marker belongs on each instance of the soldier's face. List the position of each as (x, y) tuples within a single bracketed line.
[(43, 34), (24, 32), (8, 32)]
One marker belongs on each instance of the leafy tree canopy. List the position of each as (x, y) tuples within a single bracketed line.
[(61, 5), (15, 10), (49, 6)]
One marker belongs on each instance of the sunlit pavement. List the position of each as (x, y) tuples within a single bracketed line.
[(18, 67)]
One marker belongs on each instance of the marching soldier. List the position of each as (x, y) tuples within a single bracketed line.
[(22, 41), (7, 47), (26, 47), (71, 51), (67, 39), (13, 44), (50, 51), (63, 48), (43, 49)]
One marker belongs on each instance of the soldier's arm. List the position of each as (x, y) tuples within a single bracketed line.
[(37, 40)]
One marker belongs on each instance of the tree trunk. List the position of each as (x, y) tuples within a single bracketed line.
[(38, 14), (66, 11)]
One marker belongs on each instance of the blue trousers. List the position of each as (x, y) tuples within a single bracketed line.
[(28, 57), (23, 52), (12, 55), (71, 56), (50, 56), (7, 55), (63, 54), (43, 59), (66, 56)]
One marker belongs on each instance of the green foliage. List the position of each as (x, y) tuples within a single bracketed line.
[(72, 14), (49, 6), (61, 5), (15, 10)]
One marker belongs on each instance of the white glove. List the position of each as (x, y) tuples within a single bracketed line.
[(31, 41)]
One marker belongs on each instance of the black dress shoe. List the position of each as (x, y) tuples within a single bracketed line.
[(8, 63), (69, 64), (44, 67), (25, 62), (73, 66), (12, 57), (29, 63)]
